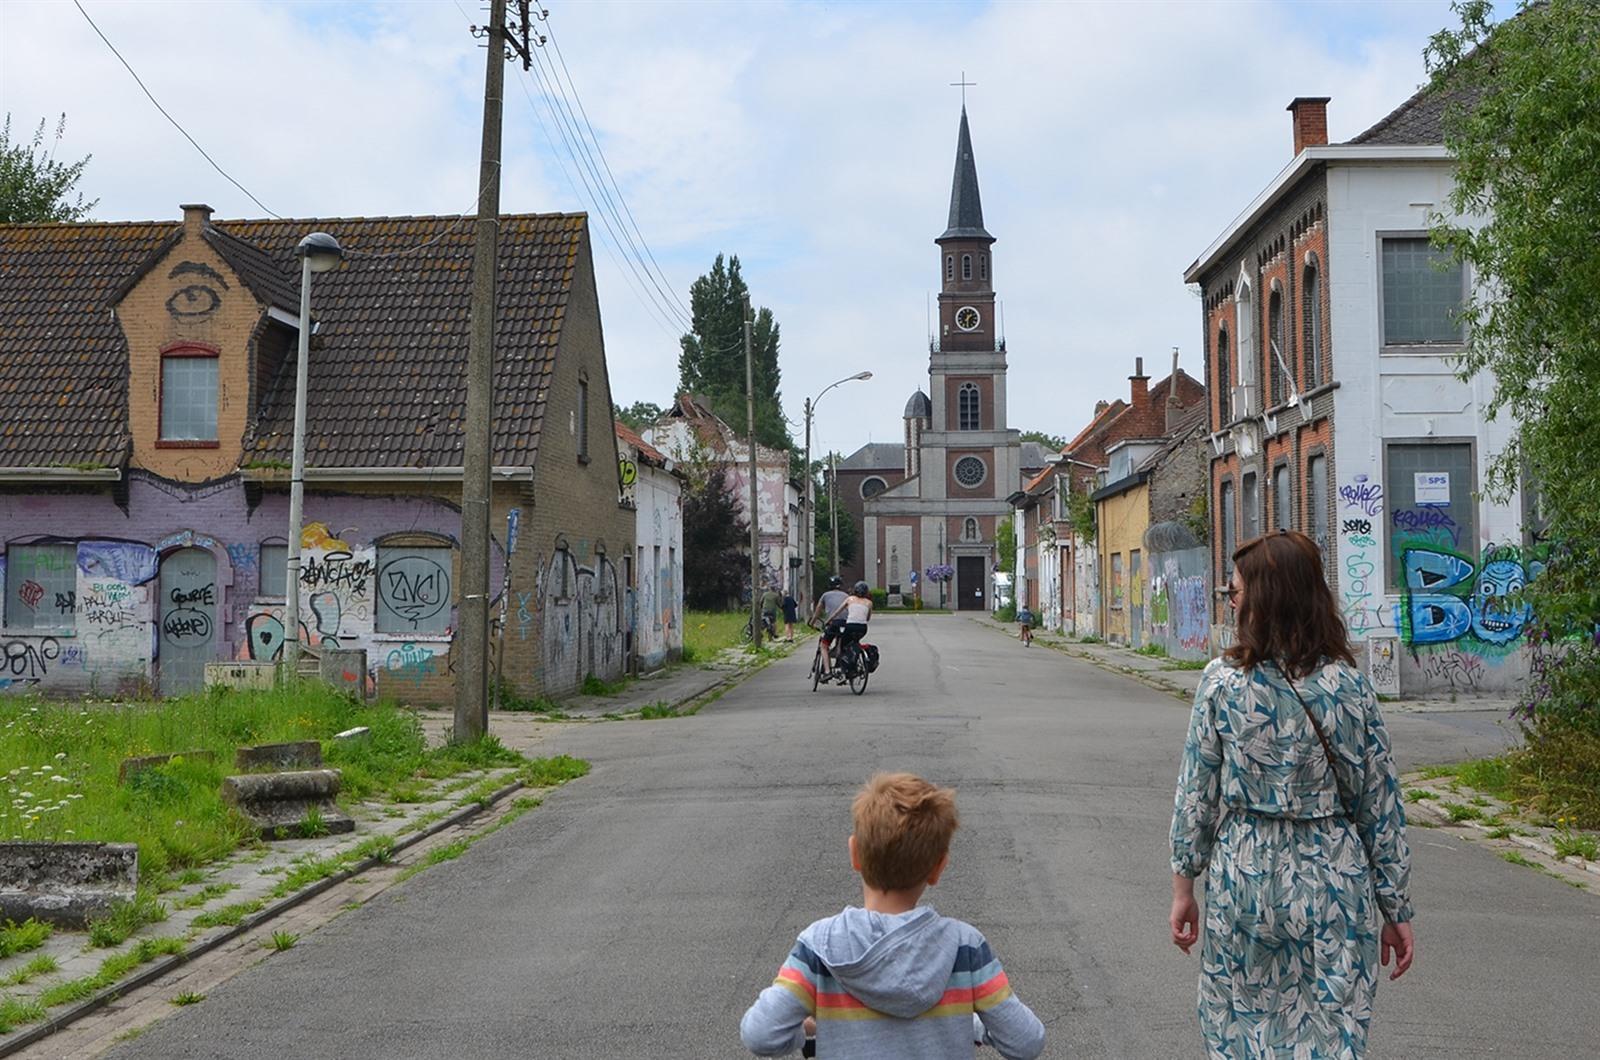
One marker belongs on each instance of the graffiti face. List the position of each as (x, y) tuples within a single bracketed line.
[(1497, 617), (1439, 611)]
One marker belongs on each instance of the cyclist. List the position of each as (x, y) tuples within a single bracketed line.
[(856, 612), (827, 604)]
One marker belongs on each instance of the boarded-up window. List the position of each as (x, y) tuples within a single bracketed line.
[(41, 587), (414, 590), (274, 570)]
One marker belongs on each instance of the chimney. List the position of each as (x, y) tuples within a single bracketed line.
[(1101, 405), (196, 215), (1310, 121), (1174, 402), (1139, 390)]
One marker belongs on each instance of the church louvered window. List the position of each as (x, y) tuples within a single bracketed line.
[(967, 408), (966, 266), (950, 267)]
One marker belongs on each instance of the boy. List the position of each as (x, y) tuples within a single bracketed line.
[(891, 980), (1025, 625)]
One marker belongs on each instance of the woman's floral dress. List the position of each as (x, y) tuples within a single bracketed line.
[(1293, 911)]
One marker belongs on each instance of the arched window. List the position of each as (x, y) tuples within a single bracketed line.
[(1277, 356), (969, 529), (966, 266), (1245, 340), (949, 266), (1311, 291), (872, 486), (967, 407), (1223, 374), (983, 266)]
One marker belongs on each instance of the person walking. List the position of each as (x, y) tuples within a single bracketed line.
[(1288, 801), (791, 614)]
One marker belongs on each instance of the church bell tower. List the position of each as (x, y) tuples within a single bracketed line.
[(966, 292)]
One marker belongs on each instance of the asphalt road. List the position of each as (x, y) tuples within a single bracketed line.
[(639, 911)]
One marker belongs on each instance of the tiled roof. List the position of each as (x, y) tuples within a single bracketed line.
[(1035, 455), (647, 452), (386, 386), (875, 456), (1419, 120)]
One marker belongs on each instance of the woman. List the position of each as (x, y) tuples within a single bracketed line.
[(856, 612), (1306, 862), (791, 615)]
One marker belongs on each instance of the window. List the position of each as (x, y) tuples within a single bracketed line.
[(967, 407), (950, 267), (1312, 293), (983, 266), (1432, 518), (274, 570), (1251, 500), (1276, 355), (656, 585), (872, 486), (969, 530), (1230, 528), (966, 266), (1282, 502), (1116, 581), (970, 472), (1422, 294), (583, 419), (1222, 377), (1248, 368), (41, 587), (189, 395), (414, 590), (1317, 472)]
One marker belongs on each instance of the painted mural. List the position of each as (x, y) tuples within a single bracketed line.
[(1179, 611)]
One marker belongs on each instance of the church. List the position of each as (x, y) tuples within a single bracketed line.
[(936, 500)]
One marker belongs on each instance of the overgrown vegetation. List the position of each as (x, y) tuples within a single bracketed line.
[(20, 938), (706, 633)]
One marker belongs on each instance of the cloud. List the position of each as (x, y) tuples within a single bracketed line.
[(1113, 142)]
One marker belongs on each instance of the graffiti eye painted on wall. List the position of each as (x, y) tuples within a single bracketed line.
[(1494, 612), (195, 300)]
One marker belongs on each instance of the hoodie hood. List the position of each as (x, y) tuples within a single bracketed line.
[(896, 963)]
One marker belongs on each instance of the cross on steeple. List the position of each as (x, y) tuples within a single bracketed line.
[(964, 84)]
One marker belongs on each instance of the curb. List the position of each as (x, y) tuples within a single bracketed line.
[(156, 969), (1441, 819), (1144, 677)]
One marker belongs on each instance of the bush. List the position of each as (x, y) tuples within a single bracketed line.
[(880, 598), (1007, 613)]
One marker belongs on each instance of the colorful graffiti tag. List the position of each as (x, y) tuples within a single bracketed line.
[(1448, 598)]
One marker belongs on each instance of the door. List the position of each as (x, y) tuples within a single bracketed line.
[(188, 629), (969, 583), (1068, 580), (1135, 599)]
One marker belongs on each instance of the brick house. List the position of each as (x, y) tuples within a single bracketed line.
[(146, 420), (1330, 329)]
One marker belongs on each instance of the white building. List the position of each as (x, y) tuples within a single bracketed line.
[(652, 484)]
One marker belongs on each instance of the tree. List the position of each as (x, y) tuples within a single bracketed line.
[(639, 415), (1525, 134), (715, 563), (849, 535), (36, 187), (1005, 543), (711, 361), (1049, 441)]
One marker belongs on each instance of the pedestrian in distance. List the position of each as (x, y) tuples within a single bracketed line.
[(891, 980), (1288, 801), (770, 602), (791, 615), (827, 605), (1025, 625)]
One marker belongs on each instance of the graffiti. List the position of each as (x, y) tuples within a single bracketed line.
[(185, 625), (414, 587), (326, 612), (1434, 522), (524, 614), (195, 301), (186, 539), (628, 476), (1448, 598), (67, 602), (200, 594), (1356, 526), (338, 569), (243, 557), (1459, 671), (30, 593), (25, 661), (317, 535), (1384, 666), (263, 637), (412, 663), (122, 561), (1363, 496), (107, 604)]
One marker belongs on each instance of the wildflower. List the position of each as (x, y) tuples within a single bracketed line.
[(61, 756), (44, 769), (27, 794), (71, 832)]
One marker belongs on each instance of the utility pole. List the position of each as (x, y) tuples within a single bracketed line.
[(806, 527), (833, 505), (755, 514), (472, 638)]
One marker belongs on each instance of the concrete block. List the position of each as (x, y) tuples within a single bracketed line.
[(241, 675), (132, 767), (66, 884), (359, 734), (345, 669), (274, 801), (301, 754)]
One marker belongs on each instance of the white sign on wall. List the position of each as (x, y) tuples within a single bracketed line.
[(1432, 487)]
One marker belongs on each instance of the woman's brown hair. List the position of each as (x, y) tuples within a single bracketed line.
[(1288, 614)]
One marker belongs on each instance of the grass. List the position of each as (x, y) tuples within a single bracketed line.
[(1461, 812), (204, 895), (1418, 794), (229, 915), (43, 964), (282, 940), (658, 709), (595, 686), (1187, 664), (20, 938), (111, 969), (1153, 650), (59, 763), (705, 633), (1090, 639), (1570, 844), (188, 997), (552, 772), (15, 1012), (1517, 858), (1554, 774), (124, 919)]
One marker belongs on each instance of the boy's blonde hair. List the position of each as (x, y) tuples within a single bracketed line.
[(903, 826)]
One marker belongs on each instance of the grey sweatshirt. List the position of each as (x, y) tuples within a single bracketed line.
[(906, 986)]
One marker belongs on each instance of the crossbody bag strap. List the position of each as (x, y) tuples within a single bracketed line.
[(1327, 748)]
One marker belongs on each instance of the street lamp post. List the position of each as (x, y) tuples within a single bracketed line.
[(318, 252), (809, 528)]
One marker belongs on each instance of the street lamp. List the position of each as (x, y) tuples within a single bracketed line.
[(318, 252), (811, 406)]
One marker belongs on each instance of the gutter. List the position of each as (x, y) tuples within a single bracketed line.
[(382, 474), (64, 474), (1302, 163)]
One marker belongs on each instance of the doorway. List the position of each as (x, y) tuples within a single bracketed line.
[(188, 616), (970, 575)]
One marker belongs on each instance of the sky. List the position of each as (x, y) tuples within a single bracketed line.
[(814, 140)]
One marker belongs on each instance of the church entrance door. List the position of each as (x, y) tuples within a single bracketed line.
[(969, 583)]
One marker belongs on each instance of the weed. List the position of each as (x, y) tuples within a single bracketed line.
[(552, 772), (659, 709), (379, 848), (437, 856), (1418, 794), (189, 877), (1570, 844), (1187, 664), (20, 938), (313, 826), (1479, 800), (111, 969), (1153, 650), (1090, 639), (1461, 812), (1505, 831), (204, 895), (1517, 858), (14, 1013), (43, 964), (595, 686), (283, 940), (188, 997), (124, 919), (1419, 823), (229, 914)]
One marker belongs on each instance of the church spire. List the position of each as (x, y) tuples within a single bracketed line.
[(966, 208)]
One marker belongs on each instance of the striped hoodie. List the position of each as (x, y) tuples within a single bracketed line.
[(906, 986)]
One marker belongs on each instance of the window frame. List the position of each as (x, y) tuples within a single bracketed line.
[(1278, 383), (63, 625), (1466, 538), (949, 266), (1228, 516), (261, 568), (188, 351), (1249, 506), (583, 419), (983, 266), (1320, 524), (380, 610), (966, 266), (1224, 387), (879, 479), (1428, 346), (981, 463), (1282, 496), (1311, 295), (976, 407)]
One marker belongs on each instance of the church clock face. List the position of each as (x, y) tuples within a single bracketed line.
[(968, 318)]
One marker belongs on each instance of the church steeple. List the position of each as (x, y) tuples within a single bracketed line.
[(966, 206)]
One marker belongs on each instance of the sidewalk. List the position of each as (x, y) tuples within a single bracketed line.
[(1160, 673)]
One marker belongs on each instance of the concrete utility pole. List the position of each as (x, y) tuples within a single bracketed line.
[(472, 638), (809, 527), (755, 514), (833, 505)]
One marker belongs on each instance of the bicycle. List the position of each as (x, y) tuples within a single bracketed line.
[(769, 627), (847, 664)]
